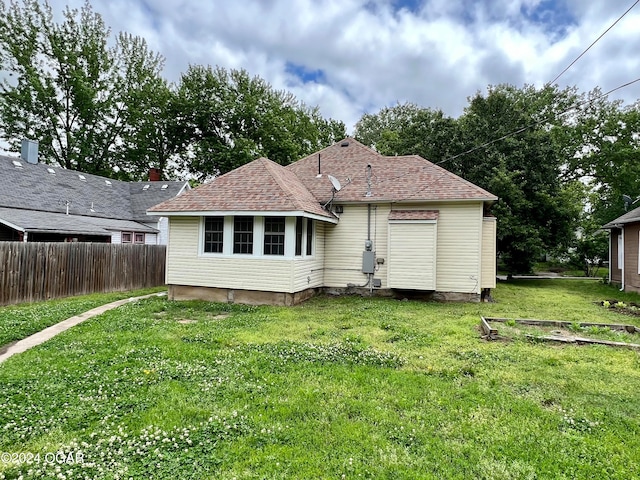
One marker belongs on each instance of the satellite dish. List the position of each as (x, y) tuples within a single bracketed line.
[(335, 182)]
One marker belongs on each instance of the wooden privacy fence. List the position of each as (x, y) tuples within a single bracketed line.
[(36, 271)]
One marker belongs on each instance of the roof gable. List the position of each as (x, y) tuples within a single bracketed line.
[(397, 178), (261, 185)]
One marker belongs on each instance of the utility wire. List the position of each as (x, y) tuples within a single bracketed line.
[(594, 42)]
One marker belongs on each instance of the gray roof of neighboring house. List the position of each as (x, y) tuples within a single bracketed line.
[(629, 217), (48, 222), (45, 188)]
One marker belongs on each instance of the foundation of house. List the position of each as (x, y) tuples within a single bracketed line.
[(247, 297), (256, 297)]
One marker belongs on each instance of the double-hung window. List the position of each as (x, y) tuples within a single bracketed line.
[(213, 234), (274, 228), (309, 236), (243, 235)]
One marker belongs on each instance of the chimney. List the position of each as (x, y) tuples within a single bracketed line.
[(29, 151), (155, 175)]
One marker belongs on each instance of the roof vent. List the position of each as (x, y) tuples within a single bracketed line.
[(146, 187), (107, 183), (17, 164), (82, 178), (165, 186), (345, 143), (51, 171)]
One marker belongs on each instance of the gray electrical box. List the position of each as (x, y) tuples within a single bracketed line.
[(368, 261)]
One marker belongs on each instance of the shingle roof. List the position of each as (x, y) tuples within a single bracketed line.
[(629, 217), (36, 221), (44, 188), (413, 215), (261, 185), (401, 178)]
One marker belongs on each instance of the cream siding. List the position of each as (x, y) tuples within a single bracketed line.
[(308, 272), (116, 237), (344, 244), (488, 279), (412, 255), (186, 266), (458, 256)]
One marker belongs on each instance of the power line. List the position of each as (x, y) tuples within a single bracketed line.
[(594, 42), (511, 134)]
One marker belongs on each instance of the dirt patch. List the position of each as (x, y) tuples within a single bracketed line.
[(5, 348), (186, 321), (624, 308), (221, 316)]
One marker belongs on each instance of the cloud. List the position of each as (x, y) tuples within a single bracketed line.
[(355, 56)]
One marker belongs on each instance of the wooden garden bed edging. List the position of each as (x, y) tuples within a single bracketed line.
[(491, 333)]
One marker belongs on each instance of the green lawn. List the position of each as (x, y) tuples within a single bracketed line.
[(20, 321), (334, 388)]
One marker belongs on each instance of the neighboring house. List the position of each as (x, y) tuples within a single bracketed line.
[(624, 243), (43, 203), (265, 233)]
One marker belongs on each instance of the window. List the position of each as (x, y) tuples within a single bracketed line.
[(127, 237), (213, 234), (299, 222), (274, 235), (139, 237), (243, 235), (309, 236)]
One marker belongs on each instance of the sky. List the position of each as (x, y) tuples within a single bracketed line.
[(351, 57)]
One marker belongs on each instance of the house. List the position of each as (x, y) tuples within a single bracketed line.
[(345, 218), (43, 203), (624, 247)]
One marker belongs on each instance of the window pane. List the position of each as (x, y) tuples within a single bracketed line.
[(126, 237), (213, 234), (309, 236), (274, 235), (243, 235), (299, 236), (139, 237)]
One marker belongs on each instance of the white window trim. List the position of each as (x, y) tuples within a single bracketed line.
[(258, 240)]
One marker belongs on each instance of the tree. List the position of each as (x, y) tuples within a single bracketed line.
[(70, 91), (228, 118)]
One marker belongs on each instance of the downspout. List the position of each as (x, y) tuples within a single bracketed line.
[(623, 262)]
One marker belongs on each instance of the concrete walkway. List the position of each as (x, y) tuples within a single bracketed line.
[(50, 332)]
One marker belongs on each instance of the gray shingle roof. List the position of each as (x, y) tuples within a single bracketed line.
[(47, 222), (629, 217), (45, 188)]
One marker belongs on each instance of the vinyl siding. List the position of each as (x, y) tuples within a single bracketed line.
[(412, 255), (308, 272), (488, 278), (186, 267), (459, 239), (344, 244), (631, 251)]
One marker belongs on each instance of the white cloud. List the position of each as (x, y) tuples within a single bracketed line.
[(371, 55)]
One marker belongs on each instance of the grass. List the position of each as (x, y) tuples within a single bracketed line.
[(333, 388), (20, 321)]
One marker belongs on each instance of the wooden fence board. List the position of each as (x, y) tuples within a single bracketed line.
[(31, 272)]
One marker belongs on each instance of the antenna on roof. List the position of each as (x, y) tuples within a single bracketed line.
[(319, 172), (628, 201), (368, 194)]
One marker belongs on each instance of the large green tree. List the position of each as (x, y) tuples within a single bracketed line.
[(537, 213), (65, 87), (228, 118)]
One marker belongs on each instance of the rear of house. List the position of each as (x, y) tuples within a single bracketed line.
[(343, 219)]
